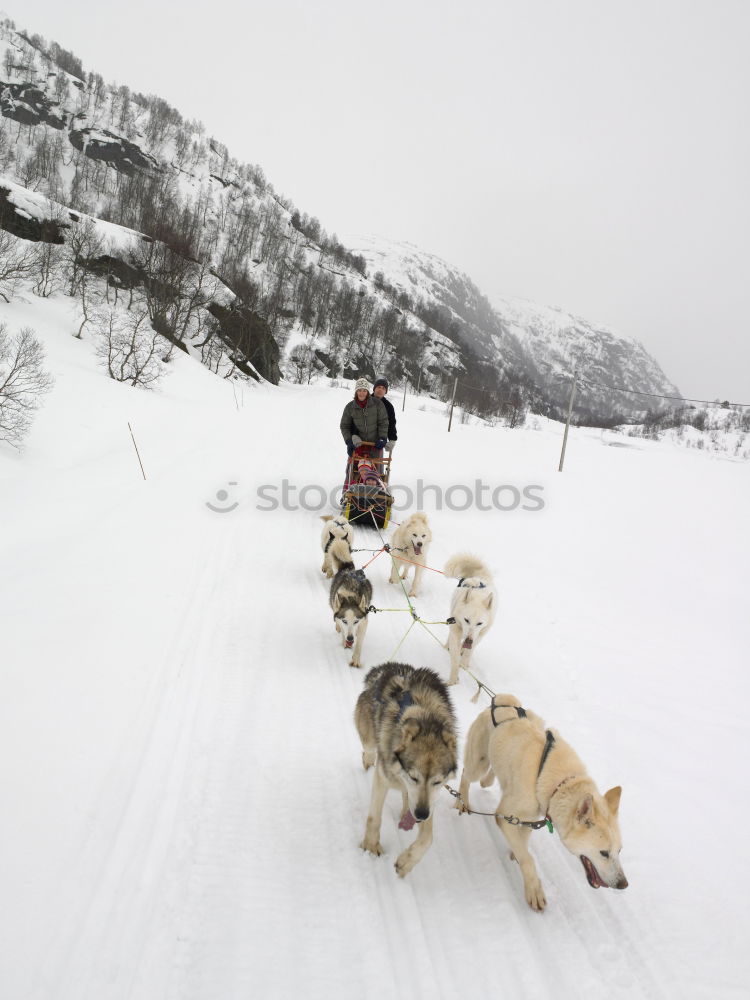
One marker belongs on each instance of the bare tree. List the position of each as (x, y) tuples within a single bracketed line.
[(18, 260), (127, 346), (22, 382)]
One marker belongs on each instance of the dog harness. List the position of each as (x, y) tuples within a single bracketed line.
[(521, 714), (471, 586)]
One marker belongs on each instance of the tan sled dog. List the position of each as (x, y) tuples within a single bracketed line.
[(336, 541), (541, 775), (411, 540), (472, 609), (405, 721)]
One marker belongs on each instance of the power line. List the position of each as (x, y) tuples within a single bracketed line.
[(656, 395)]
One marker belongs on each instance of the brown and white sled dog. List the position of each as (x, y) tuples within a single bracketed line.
[(350, 598), (336, 541), (472, 608), (412, 541), (541, 775), (407, 727)]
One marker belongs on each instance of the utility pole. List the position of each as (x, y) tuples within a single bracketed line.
[(403, 405), (419, 380), (450, 418), (567, 422)]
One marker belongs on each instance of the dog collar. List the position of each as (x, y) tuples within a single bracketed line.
[(471, 586), (559, 785)]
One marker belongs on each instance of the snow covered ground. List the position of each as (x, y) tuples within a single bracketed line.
[(180, 778)]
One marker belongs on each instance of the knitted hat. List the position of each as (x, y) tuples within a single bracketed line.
[(381, 381), (362, 383)]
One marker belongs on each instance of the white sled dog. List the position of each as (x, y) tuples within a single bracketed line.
[(540, 774), (405, 721), (336, 541), (472, 608), (350, 598), (412, 541)]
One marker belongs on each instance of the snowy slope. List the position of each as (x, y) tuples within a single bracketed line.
[(179, 772), (544, 342), (82, 142)]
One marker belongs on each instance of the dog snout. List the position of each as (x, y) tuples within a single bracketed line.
[(621, 883), (421, 813)]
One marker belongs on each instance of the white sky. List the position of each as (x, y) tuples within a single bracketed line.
[(580, 153)]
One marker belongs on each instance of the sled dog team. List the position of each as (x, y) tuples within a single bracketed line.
[(407, 726)]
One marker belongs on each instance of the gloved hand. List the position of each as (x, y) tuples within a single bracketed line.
[(357, 440), (350, 448), (380, 444)]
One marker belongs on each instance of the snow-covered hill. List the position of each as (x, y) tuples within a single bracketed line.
[(546, 344), (134, 161)]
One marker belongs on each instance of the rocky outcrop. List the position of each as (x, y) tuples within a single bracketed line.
[(20, 223), (120, 153), (27, 104), (249, 338)]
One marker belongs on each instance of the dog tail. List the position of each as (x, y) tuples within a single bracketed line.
[(464, 565)]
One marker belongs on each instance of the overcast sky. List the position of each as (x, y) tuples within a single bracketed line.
[(586, 154)]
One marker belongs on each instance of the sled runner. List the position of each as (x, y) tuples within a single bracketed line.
[(366, 499)]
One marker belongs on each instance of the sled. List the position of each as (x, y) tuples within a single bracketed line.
[(366, 499)]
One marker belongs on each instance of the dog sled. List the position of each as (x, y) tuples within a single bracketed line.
[(366, 498)]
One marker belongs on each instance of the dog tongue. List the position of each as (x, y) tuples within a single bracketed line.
[(468, 643), (407, 821)]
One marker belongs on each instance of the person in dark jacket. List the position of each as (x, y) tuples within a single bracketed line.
[(379, 389), (364, 419)]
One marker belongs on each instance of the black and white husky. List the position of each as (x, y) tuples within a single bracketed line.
[(336, 541), (350, 599), (406, 723)]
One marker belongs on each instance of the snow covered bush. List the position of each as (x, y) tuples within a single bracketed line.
[(22, 382), (127, 346)]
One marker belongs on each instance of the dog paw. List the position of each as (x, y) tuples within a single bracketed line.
[(413, 593), (353, 664), (535, 896), (404, 863), (376, 849)]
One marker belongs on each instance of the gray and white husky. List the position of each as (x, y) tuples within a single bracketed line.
[(407, 727), (336, 541), (350, 599), (541, 775), (472, 608)]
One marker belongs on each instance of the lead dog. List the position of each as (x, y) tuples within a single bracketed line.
[(350, 597), (539, 773), (336, 541), (412, 541), (472, 608), (405, 721)]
